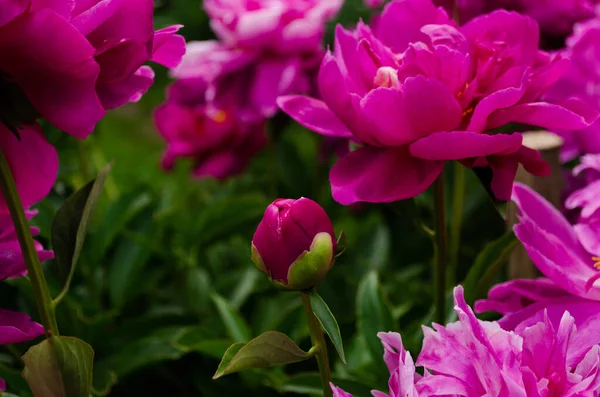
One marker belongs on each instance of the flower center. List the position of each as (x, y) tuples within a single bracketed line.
[(386, 76), (596, 260)]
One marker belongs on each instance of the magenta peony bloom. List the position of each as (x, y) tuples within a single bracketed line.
[(221, 136), (582, 79), (294, 244), (69, 61), (275, 43), (478, 358), (415, 97), (560, 251), (12, 263)]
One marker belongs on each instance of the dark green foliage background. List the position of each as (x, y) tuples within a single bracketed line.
[(162, 246)]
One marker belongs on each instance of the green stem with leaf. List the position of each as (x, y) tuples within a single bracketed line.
[(43, 299), (440, 257), (319, 345)]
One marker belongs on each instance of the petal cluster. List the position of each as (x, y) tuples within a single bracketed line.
[(414, 98), (478, 358), (264, 49), (582, 80)]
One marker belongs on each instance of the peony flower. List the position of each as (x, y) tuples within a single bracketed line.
[(582, 79), (220, 136), (560, 252), (12, 263), (415, 97), (275, 43), (70, 61), (478, 358), (17, 327), (294, 244)]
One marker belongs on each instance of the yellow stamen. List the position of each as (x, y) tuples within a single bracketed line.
[(468, 112), (463, 91), (219, 116), (596, 262)]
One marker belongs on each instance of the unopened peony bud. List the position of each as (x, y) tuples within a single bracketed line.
[(294, 244)]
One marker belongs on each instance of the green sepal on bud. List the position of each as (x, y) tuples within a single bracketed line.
[(310, 267)]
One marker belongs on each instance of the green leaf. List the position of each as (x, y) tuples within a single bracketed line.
[(234, 323), (59, 367), (310, 383), (486, 265), (70, 226), (328, 322), (267, 350), (373, 314)]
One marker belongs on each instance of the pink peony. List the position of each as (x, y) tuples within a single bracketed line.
[(565, 254), (275, 43), (220, 136), (415, 97), (73, 60), (478, 358)]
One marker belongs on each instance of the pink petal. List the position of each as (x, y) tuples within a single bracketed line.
[(168, 48), (541, 114), (17, 327), (459, 145), (411, 15), (314, 115), (273, 78), (381, 175), (33, 161)]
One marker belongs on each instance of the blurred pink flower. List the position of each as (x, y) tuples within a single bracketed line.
[(478, 358), (582, 79), (555, 17), (429, 92), (220, 136), (276, 43), (69, 61), (12, 263), (280, 26)]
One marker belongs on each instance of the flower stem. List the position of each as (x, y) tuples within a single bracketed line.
[(318, 340), (43, 299), (440, 259), (458, 202)]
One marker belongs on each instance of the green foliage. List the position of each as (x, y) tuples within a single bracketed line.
[(267, 350), (328, 322)]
